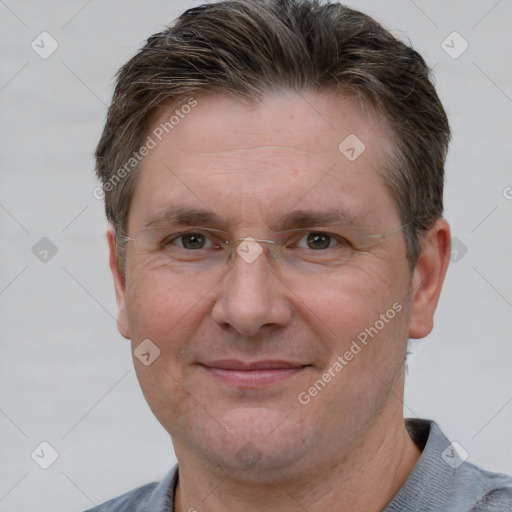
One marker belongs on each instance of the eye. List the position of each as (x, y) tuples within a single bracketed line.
[(318, 240), (189, 241)]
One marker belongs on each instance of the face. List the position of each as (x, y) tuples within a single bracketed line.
[(278, 362)]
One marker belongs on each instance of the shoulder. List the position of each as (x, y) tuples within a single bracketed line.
[(480, 489), (154, 497), (493, 490), (133, 501), (444, 480)]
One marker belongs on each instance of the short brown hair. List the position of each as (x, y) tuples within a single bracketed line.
[(247, 48)]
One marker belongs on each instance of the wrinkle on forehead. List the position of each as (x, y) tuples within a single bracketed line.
[(260, 158), (221, 121), (256, 148), (279, 153)]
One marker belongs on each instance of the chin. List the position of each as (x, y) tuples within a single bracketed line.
[(258, 445)]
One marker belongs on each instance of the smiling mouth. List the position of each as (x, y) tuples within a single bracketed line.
[(255, 374)]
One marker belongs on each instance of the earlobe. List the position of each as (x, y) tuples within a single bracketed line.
[(428, 278), (119, 285)]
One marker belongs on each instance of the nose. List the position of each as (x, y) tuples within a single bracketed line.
[(251, 296)]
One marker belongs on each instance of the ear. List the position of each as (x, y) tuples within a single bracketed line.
[(428, 278), (119, 285)]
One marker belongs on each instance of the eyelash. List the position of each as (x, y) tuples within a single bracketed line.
[(341, 241)]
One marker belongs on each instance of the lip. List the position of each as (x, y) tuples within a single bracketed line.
[(253, 374)]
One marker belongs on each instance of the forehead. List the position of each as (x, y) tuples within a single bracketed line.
[(241, 160), (280, 118)]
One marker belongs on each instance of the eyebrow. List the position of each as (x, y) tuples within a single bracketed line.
[(308, 218), (180, 216)]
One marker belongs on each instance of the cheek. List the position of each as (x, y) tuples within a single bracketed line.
[(361, 317), (170, 310), (166, 311), (157, 304), (352, 299)]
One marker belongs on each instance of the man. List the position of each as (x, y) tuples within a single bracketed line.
[(273, 175)]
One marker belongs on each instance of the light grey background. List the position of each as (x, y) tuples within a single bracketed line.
[(66, 374)]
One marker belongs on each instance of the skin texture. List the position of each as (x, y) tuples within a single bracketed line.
[(347, 448)]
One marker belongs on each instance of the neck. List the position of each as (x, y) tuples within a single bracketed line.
[(367, 479)]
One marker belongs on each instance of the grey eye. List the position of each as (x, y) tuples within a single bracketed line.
[(317, 241), (193, 241), (189, 241)]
